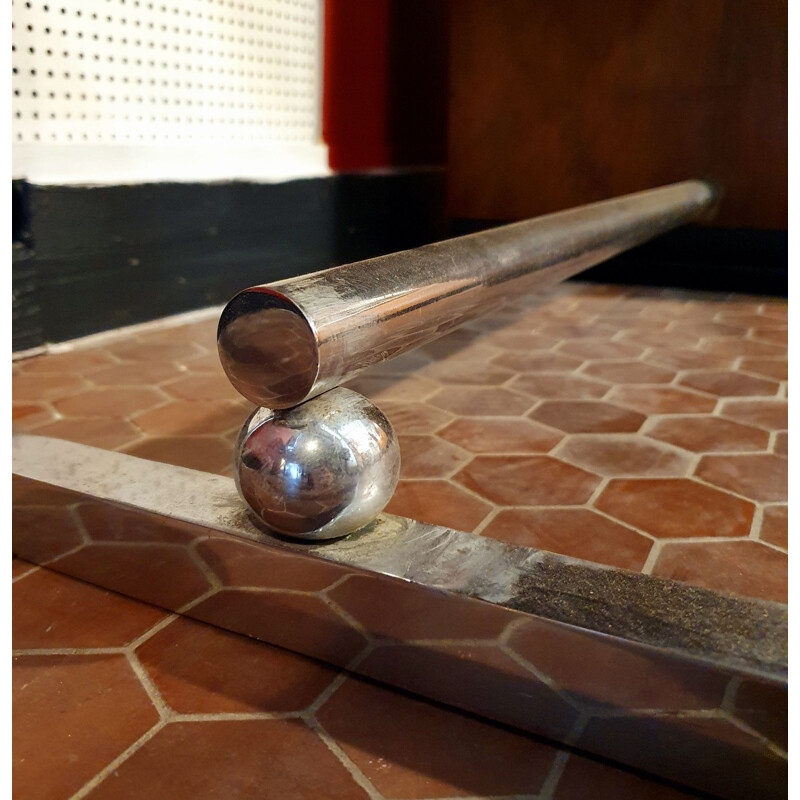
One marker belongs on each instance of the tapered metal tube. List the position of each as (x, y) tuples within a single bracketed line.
[(285, 342)]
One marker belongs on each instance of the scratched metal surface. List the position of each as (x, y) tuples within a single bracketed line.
[(725, 630)]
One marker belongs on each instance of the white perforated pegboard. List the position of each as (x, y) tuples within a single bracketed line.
[(172, 89)]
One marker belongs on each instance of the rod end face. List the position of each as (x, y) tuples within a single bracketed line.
[(267, 348)]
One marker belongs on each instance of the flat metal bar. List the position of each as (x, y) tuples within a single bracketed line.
[(679, 681), (285, 342)]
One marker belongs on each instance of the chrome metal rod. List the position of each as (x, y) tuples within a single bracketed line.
[(285, 342)]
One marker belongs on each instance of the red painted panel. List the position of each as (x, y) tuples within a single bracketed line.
[(385, 83)]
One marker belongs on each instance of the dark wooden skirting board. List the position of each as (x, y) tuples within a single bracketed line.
[(97, 258)]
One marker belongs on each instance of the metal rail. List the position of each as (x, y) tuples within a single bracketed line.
[(283, 343)]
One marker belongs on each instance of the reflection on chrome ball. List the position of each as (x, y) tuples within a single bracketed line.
[(319, 470)]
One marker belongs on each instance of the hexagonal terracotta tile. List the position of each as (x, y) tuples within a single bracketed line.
[(769, 414), (143, 373), (510, 340), (650, 338), (192, 417), (269, 759), (747, 568), (777, 368), (109, 402), (198, 668), (781, 447), (729, 384), (73, 715), (399, 389), (744, 318), (464, 372), (53, 611), (426, 456), (195, 363), (710, 329), (45, 387), (624, 454), (575, 532), (761, 476), (203, 453), (587, 416), (75, 362), (661, 400), (586, 348), (559, 386), (775, 526), (212, 386), (481, 402), (451, 343), (27, 416), (687, 359), (742, 347), (479, 758), (500, 436), (165, 349), (438, 503), (567, 331), (404, 364), (415, 417), (628, 372), (527, 480), (676, 508), (708, 434), (520, 361), (98, 432)]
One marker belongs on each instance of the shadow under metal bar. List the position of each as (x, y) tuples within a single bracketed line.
[(679, 681)]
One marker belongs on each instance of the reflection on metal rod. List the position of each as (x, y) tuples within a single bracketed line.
[(285, 342)]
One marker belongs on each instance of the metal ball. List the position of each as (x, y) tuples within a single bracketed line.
[(320, 470)]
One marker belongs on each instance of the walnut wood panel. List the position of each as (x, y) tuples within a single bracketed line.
[(557, 104)]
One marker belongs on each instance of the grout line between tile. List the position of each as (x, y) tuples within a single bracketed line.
[(152, 631), (70, 651), (94, 782), (553, 777), (356, 774), (160, 705), (652, 557), (34, 568)]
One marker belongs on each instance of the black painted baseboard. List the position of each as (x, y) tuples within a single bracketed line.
[(744, 260), (89, 259)]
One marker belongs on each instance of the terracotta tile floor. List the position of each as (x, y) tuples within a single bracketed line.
[(113, 698), (639, 428), (642, 429)]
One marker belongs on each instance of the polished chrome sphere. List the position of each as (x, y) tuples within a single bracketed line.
[(319, 470)]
